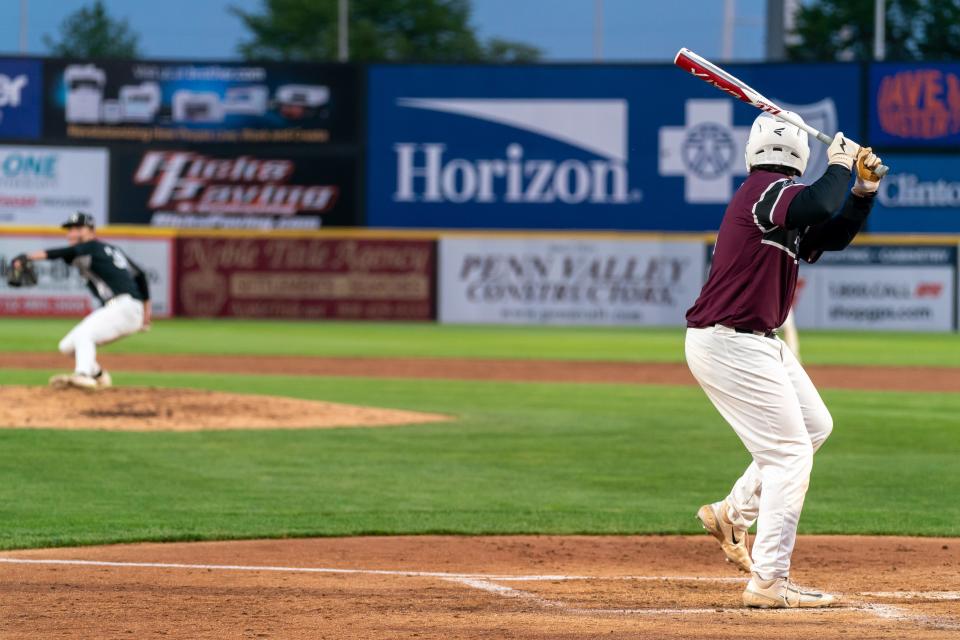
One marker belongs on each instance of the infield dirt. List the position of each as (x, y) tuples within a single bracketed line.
[(480, 587), (838, 377)]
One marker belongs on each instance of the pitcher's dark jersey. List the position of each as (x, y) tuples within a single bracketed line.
[(107, 270), (754, 272)]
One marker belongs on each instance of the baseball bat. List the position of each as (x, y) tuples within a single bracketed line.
[(714, 75)]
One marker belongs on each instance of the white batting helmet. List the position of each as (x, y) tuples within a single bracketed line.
[(774, 142)]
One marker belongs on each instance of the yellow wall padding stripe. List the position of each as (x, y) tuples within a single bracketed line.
[(431, 234)]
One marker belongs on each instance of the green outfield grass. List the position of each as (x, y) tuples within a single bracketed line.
[(431, 340), (520, 458)]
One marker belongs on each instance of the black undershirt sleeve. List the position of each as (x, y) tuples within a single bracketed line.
[(817, 202), (837, 232), (65, 253)]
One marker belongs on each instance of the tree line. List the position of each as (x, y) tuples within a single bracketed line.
[(441, 31)]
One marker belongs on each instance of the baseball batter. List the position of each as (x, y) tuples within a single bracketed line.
[(116, 281), (750, 376)]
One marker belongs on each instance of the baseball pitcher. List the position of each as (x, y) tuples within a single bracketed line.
[(750, 376), (113, 278)]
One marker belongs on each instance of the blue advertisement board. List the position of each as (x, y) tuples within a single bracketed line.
[(582, 147), (914, 105), (20, 103), (921, 194)]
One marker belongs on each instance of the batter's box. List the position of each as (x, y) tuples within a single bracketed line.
[(699, 596), (618, 594), (601, 593)]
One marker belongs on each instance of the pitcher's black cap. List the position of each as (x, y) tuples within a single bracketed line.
[(79, 219)]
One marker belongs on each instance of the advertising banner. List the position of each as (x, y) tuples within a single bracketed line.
[(595, 147), (914, 104), (568, 282), (306, 278), (178, 102), (879, 287), (44, 185), (21, 105), (921, 194), (292, 189), (60, 290)]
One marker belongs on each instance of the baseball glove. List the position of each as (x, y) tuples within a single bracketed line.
[(21, 272)]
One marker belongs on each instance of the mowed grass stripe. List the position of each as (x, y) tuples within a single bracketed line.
[(380, 339), (521, 458)]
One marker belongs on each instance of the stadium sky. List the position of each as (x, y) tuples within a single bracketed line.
[(646, 30)]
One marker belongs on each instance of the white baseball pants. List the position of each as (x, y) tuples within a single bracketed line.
[(121, 316), (759, 387)]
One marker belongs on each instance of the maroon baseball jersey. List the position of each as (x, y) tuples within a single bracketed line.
[(754, 271)]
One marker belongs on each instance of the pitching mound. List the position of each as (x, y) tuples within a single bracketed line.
[(153, 409)]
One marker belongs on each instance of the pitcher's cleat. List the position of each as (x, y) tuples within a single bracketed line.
[(103, 379), (59, 381), (780, 593), (733, 540), (75, 380)]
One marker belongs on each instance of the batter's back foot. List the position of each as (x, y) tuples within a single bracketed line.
[(780, 593)]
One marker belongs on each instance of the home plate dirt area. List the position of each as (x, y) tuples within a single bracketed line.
[(471, 587)]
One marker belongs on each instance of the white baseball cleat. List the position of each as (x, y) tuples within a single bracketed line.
[(76, 380), (780, 593), (59, 381), (103, 379), (733, 540)]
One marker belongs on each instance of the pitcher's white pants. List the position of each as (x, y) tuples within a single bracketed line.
[(759, 387), (121, 316)]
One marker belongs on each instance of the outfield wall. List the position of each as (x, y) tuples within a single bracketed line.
[(880, 287), (305, 278), (270, 145), (574, 281), (882, 282)]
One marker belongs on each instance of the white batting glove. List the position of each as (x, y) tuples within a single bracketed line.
[(867, 181), (842, 151)]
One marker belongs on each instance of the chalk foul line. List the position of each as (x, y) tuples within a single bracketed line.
[(490, 584), (914, 595), (334, 570)]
